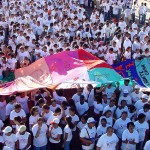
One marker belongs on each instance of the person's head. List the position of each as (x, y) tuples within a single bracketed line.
[(45, 108), (22, 129), (79, 91), (40, 102), (91, 122), (72, 111), (12, 99), (104, 97), (108, 113), (17, 107), (123, 103), (132, 108), (112, 103), (130, 127), (126, 82), (40, 121), (7, 131), (109, 131), (146, 107), (137, 89), (124, 115), (89, 87), (69, 122), (34, 111), (57, 111), (53, 102), (144, 98), (103, 122), (64, 105), (98, 98), (55, 122), (82, 99), (141, 117), (84, 119)]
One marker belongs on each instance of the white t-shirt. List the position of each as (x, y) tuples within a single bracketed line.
[(80, 125), (82, 108), (54, 133), (10, 140), (127, 98), (147, 145), (106, 142), (119, 111), (120, 125), (101, 130), (13, 114), (135, 97), (89, 96), (52, 108), (76, 98), (88, 133), (59, 99), (9, 108), (23, 139), (109, 120), (41, 140), (141, 128), (139, 105), (75, 118), (129, 136), (98, 107), (69, 132), (147, 114), (109, 108), (110, 58), (24, 103), (33, 120), (47, 115)]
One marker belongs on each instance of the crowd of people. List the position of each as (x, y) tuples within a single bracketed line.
[(33, 29), (111, 117)]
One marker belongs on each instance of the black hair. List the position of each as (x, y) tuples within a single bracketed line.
[(70, 124), (141, 116), (130, 123)]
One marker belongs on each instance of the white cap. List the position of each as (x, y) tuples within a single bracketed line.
[(91, 120), (7, 129), (22, 128), (145, 96), (125, 91), (137, 87), (55, 120)]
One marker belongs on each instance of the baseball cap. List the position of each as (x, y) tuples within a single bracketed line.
[(7, 129), (137, 87), (55, 120), (91, 120), (145, 96), (125, 91), (22, 128)]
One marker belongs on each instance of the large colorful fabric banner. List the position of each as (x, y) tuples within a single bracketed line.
[(54, 70), (138, 70)]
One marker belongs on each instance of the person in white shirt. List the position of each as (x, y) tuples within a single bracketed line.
[(55, 133), (10, 138), (23, 137), (108, 140), (88, 135), (136, 94), (82, 106), (40, 131), (68, 133), (147, 145), (10, 105), (102, 128), (18, 111), (54, 105), (140, 11), (98, 107), (110, 57), (140, 103), (34, 117), (46, 112), (120, 125), (76, 97), (143, 129), (130, 137)]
